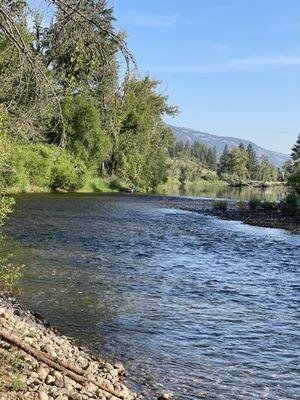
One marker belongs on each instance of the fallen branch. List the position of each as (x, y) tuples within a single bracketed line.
[(76, 374)]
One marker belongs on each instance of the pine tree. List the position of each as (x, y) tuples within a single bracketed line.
[(252, 164), (224, 161), (295, 155)]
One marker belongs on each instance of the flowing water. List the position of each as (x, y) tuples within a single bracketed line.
[(208, 309)]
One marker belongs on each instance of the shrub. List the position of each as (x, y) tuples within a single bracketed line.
[(241, 205), (68, 173), (219, 205), (269, 205), (254, 204), (294, 183), (290, 205)]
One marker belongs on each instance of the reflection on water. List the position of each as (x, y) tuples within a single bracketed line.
[(206, 308), (227, 192)]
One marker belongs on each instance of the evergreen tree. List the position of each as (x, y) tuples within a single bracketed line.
[(267, 170), (212, 159), (252, 164), (238, 163), (224, 162), (295, 155), (287, 168)]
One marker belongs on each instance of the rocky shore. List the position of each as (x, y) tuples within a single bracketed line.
[(263, 218), (67, 373), (266, 219)]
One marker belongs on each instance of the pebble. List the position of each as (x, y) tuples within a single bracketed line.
[(43, 396), (43, 382)]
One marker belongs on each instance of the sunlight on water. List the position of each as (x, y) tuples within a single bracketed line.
[(205, 308)]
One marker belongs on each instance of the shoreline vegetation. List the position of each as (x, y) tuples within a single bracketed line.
[(256, 213), (111, 185)]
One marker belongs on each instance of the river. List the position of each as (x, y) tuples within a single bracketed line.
[(207, 309)]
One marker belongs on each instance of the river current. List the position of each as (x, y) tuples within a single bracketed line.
[(204, 308)]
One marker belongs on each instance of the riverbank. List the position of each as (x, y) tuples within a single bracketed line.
[(263, 218), (36, 363)]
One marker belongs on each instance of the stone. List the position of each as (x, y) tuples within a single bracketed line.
[(90, 387), (59, 383), (50, 380), (43, 395), (42, 372), (108, 367), (75, 396), (165, 396), (114, 373), (119, 366)]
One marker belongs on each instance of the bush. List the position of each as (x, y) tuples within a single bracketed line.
[(241, 205), (220, 205), (290, 205), (68, 173), (294, 183), (269, 205), (254, 204)]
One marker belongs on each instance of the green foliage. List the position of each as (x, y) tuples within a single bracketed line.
[(96, 184), (86, 138), (295, 155), (269, 205), (139, 153), (254, 204), (288, 168), (252, 163), (241, 206), (220, 205), (267, 171), (294, 183), (291, 205), (240, 165), (191, 162), (16, 384), (68, 173)]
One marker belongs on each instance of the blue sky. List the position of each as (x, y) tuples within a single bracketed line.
[(232, 66)]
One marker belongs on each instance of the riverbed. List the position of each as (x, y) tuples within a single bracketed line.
[(204, 308)]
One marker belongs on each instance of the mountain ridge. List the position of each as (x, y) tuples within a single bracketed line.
[(192, 135)]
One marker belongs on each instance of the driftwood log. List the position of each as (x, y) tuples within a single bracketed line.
[(76, 374)]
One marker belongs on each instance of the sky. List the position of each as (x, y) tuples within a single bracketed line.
[(231, 66)]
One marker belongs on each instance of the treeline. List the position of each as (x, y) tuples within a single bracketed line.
[(194, 161), (70, 121), (67, 115), (242, 164)]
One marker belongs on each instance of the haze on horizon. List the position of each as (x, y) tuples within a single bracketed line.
[(232, 67)]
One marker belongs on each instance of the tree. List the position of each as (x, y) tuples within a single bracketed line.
[(224, 162), (287, 168), (267, 170), (89, 23), (238, 163), (140, 132), (212, 159), (295, 155), (252, 164)]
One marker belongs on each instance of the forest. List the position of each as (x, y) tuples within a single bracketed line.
[(75, 114)]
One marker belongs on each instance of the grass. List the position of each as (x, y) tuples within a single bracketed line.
[(102, 185), (10, 372), (16, 384), (91, 186)]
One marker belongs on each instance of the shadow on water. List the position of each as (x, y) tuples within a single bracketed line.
[(205, 308)]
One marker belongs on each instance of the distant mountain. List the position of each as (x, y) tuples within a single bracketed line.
[(190, 135)]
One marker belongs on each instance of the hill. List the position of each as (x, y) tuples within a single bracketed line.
[(191, 135)]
